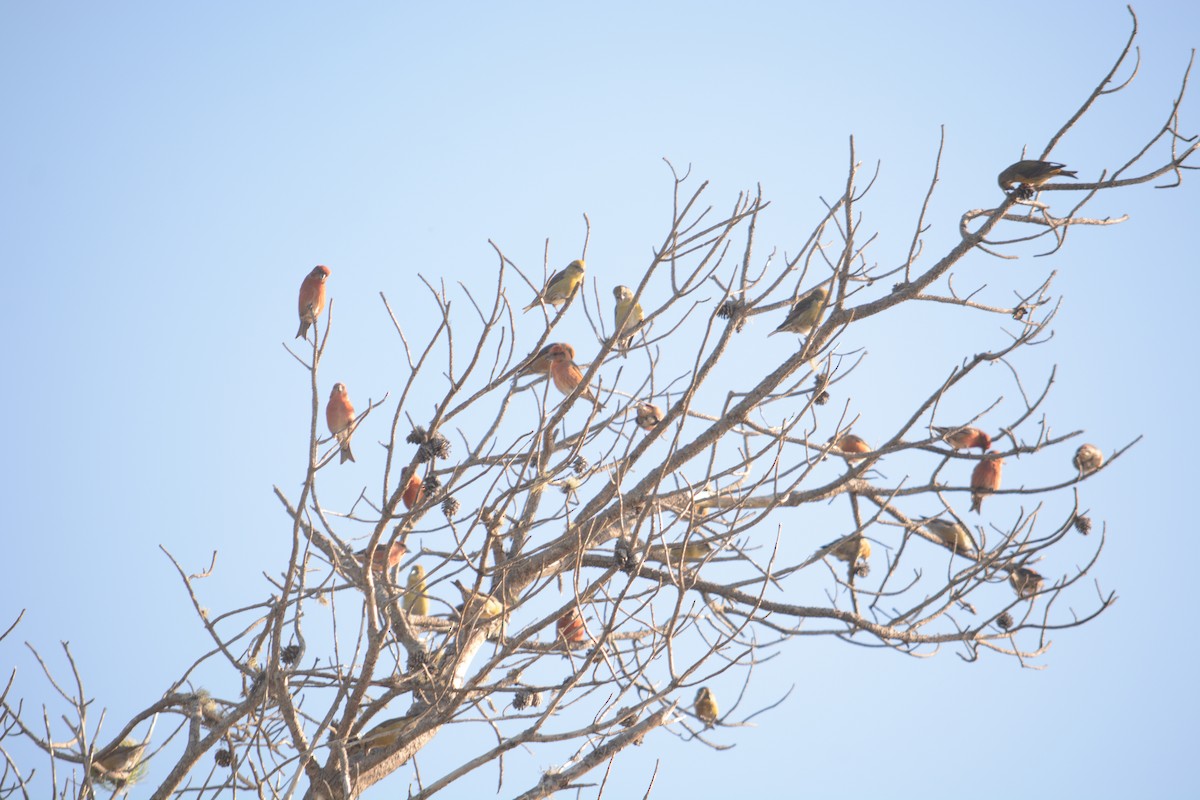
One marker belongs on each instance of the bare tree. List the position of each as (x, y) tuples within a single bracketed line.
[(617, 540)]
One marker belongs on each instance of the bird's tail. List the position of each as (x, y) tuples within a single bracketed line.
[(347, 455), (303, 332)]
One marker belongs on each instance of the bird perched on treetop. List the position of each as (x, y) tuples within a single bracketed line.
[(1031, 174), (964, 438), (648, 415), (561, 285), (1088, 459), (415, 599), (339, 416), (312, 298), (627, 313), (985, 479), (805, 313), (706, 706), (953, 534)]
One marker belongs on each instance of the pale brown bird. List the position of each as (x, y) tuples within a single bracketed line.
[(1029, 174), (1088, 459), (985, 479), (953, 534), (120, 765), (339, 416), (1026, 582), (706, 706), (965, 438), (648, 416), (312, 298)]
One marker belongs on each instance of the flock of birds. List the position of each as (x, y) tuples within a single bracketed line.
[(557, 361)]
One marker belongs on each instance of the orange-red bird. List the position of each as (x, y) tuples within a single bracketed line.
[(414, 490), (570, 626), (965, 438), (339, 416), (566, 374), (312, 298), (385, 558), (540, 363), (985, 480), (850, 444)]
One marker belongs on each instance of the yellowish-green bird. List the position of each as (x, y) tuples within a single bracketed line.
[(953, 534), (706, 706), (1029, 174), (627, 313), (385, 734), (484, 605), (805, 314), (851, 550), (415, 599), (677, 552), (561, 285)]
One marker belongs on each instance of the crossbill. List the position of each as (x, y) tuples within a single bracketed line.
[(120, 765), (386, 734), (953, 534), (565, 373), (627, 313), (1030, 174), (385, 558), (415, 599), (484, 605), (570, 627), (805, 314), (965, 438), (339, 416), (1088, 459), (414, 491), (706, 706), (985, 479), (539, 364), (312, 298), (648, 416), (852, 446), (677, 552), (1026, 582), (561, 285), (851, 550)]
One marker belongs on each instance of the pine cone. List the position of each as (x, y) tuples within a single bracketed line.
[(289, 654), (1083, 525), (1004, 621), (450, 507), (223, 757)]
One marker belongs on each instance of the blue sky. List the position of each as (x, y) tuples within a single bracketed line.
[(172, 172)]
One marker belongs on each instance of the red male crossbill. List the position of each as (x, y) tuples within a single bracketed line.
[(312, 298), (965, 438), (570, 627), (339, 416), (985, 479), (414, 491), (385, 558)]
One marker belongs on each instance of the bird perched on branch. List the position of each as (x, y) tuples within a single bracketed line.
[(627, 313), (415, 599), (706, 706), (474, 602), (964, 438), (339, 416), (1026, 582), (120, 765), (570, 627), (1030, 174), (953, 534), (565, 373), (851, 550), (414, 491), (852, 447), (385, 558), (561, 285), (1088, 459), (648, 416), (677, 552), (312, 298), (386, 734), (985, 479), (805, 314)]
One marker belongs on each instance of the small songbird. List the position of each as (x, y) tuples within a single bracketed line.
[(566, 374), (1026, 582), (1030, 174), (414, 491), (965, 438), (985, 479), (852, 446), (706, 706), (484, 605), (648, 415), (805, 314), (851, 550), (120, 765), (339, 416), (539, 364), (627, 313), (561, 285), (570, 627), (1088, 459), (312, 298), (415, 599), (385, 557), (385, 734), (676, 552), (953, 534)]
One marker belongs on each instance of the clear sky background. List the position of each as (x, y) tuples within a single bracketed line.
[(171, 171)]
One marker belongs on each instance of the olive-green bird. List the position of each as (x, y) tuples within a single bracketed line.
[(851, 550), (706, 706), (415, 599), (385, 734), (805, 314), (677, 552), (561, 285), (484, 605), (1029, 174), (953, 534), (627, 313)]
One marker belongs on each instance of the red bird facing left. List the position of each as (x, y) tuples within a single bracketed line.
[(985, 480), (339, 416), (312, 298)]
